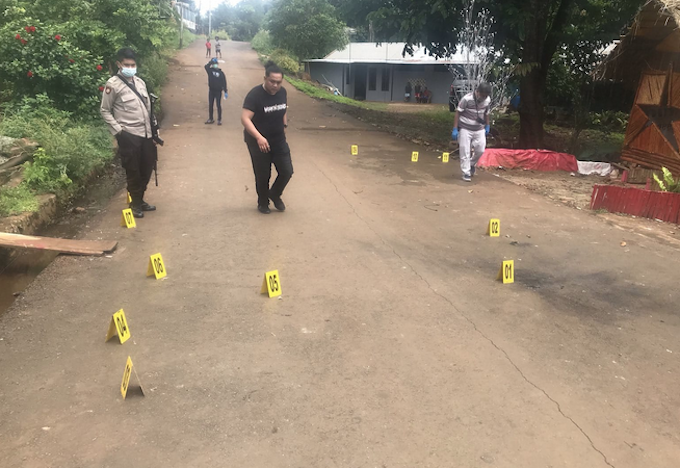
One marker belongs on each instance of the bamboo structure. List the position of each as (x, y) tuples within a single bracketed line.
[(648, 59)]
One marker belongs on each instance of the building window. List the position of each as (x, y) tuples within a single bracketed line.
[(386, 79), (372, 78)]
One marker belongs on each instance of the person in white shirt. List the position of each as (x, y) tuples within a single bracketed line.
[(470, 128)]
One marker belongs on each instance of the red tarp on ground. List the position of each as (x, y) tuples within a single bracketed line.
[(534, 160)]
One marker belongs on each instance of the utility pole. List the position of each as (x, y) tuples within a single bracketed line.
[(181, 23)]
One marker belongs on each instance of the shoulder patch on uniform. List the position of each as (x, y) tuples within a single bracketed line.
[(108, 90)]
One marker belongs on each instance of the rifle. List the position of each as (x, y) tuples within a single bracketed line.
[(154, 132)]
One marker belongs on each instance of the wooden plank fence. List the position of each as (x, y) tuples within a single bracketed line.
[(664, 206)]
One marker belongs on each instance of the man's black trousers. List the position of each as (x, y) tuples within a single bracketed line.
[(138, 156), (262, 166), (215, 95)]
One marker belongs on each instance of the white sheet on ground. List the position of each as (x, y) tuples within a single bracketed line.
[(599, 168)]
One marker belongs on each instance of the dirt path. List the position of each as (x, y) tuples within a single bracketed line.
[(392, 345)]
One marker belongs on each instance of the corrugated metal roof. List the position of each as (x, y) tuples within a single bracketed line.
[(371, 52)]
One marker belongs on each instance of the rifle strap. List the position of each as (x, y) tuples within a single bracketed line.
[(134, 90)]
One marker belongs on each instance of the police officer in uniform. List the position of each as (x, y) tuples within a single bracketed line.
[(126, 108)]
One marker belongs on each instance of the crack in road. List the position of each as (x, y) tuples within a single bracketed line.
[(469, 320)]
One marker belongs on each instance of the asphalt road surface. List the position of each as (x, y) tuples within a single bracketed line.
[(393, 345)]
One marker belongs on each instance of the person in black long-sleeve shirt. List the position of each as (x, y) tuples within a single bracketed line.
[(217, 83)]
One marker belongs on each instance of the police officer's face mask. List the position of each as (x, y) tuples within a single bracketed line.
[(129, 72)]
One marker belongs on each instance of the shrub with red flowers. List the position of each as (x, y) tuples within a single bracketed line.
[(40, 60)]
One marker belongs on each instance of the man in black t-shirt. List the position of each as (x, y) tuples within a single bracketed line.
[(264, 120)]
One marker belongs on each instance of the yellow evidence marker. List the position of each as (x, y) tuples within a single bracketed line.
[(118, 326), (445, 157), (414, 156), (127, 219), (355, 150), (156, 267), (494, 228), (271, 284), (129, 198), (507, 273), (125, 384)]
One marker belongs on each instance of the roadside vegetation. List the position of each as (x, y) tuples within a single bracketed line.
[(55, 58)]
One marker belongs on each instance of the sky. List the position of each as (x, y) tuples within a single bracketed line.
[(206, 4)]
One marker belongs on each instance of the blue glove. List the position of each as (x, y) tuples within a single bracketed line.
[(488, 129), (454, 134), (226, 95)]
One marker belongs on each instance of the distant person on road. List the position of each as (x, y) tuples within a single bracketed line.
[(218, 47), (208, 48), (470, 128), (126, 108), (265, 120), (217, 83)]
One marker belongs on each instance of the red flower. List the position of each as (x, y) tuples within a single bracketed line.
[(27, 29), (30, 74), (18, 37), (32, 29), (24, 41), (99, 68), (71, 60), (57, 37), (101, 88)]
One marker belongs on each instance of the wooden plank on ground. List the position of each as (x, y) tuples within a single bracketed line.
[(67, 246)]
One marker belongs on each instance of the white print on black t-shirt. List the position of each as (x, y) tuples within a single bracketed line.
[(279, 107)]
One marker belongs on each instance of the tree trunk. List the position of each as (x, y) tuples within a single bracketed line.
[(531, 114), (542, 38), (531, 85)]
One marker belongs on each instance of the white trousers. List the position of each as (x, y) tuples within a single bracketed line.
[(472, 144)]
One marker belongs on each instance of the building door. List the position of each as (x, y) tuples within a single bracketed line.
[(360, 78)]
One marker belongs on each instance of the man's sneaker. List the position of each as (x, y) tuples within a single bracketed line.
[(146, 207), (219, 122), (278, 203), (264, 209), (209, 122), (467, 178), (137, 211)]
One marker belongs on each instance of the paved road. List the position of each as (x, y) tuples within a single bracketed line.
[(392, 345)]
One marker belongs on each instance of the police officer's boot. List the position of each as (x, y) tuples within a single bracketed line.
[(146, 207), (136, 208)]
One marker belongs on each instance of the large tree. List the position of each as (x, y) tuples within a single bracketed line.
[(531, 32), (308, 28)]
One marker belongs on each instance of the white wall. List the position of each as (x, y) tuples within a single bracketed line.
[(438, 82), (378, 94), (334, 72)]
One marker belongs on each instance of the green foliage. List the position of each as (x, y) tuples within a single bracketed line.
[(16, 200), (66, 48), (308, 28), (668, 184), (262, 43), (37, 59), (286, 61), (320, 93), (70, 149), (221, 33), (241, 21), (609, 121)]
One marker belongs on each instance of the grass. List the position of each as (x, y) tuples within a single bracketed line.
[(16, 200), (321, 93)]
